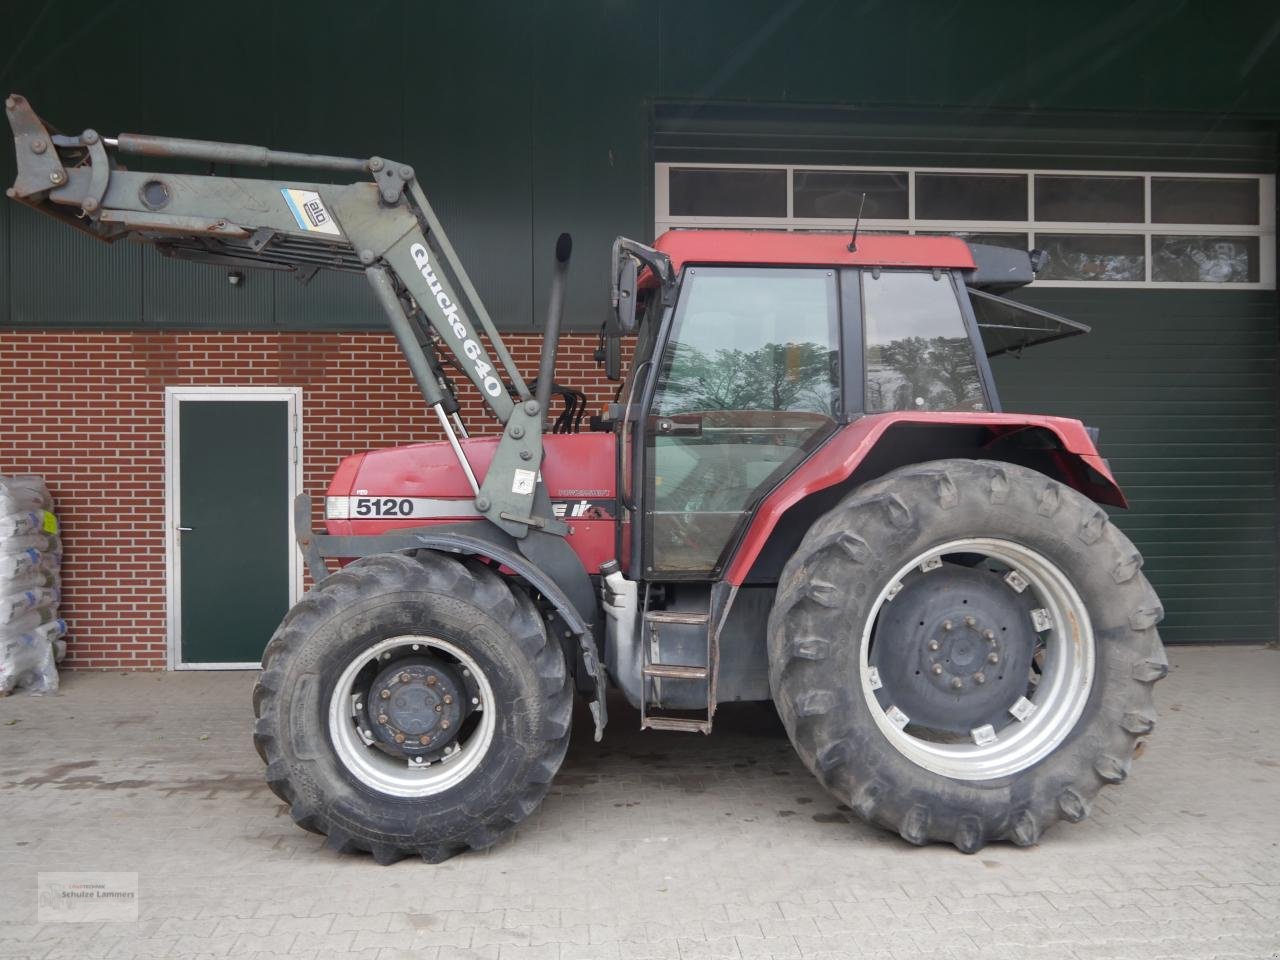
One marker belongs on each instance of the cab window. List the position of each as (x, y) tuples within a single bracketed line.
[(919, 355), (746, 385)]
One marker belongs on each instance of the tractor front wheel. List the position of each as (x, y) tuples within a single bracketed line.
[(412, 706), (963, 651)]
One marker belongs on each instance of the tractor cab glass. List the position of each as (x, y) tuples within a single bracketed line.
[(746, 385), (919, 353)]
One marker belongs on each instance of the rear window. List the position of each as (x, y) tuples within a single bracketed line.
[(918, 352)]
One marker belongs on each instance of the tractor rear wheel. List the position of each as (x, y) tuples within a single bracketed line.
[(963, 651), (412, 706)]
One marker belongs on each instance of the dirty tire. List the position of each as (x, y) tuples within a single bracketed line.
[(391, 595), (829, 588)]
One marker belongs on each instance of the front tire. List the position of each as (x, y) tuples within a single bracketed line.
[(963, 651), (412, 706)]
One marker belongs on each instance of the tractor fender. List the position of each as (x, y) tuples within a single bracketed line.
[(548, 564), (872, 445)]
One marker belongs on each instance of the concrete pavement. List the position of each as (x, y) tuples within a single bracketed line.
[(654, 845)]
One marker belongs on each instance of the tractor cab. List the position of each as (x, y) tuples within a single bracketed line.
[(753, 350)]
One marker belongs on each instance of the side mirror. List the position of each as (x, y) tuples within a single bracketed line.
[(625, 307), (609, 352), (612, 355)]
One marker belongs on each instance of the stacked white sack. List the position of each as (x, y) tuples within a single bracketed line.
[(31, 632)]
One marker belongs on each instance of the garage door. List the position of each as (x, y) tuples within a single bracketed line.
[(1183, 388)]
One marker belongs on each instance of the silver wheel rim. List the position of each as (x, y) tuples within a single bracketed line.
[(1066, 672), (398, 777)]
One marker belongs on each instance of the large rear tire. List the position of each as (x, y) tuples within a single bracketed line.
[(963, 651), (412, 706)]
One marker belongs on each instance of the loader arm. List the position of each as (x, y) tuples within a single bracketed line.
[(381, 225)]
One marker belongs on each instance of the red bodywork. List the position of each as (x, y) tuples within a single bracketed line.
[(579, 469), (780, 248), (576, 467)]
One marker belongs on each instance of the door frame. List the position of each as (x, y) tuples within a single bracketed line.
[(173, 398)]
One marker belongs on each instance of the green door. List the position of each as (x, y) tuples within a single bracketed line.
[(233, 527)]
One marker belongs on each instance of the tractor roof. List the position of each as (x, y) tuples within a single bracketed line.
[(780, 247)]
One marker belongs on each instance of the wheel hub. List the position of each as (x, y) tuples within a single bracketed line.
[(954, 647), (416, 707)]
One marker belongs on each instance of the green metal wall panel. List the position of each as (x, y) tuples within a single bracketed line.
[(790, 133), (1095, 54), (178, 293), (1183, 386), (465, 97), (592, 171), (330, 300), (528, 119), (61, 277)]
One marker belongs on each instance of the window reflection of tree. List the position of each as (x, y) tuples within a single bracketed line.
[(777, 376), (938, 371)]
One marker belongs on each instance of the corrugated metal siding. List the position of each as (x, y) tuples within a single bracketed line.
[(740, 133), (528, 119), (1184, 388), (465, 102), (178, 293), (61, 276)]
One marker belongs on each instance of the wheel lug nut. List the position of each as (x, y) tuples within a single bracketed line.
[(382, 718), (385, 694), (993, 658), (399, 738), (431, 680), (969, 621), (424, 739), (404, 678), (947, 625), (957, 683), (937, 669), (979, 678), (934, 644), (448, 699), (444, 724), (988, 635)]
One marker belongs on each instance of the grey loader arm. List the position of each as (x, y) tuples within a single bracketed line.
[(382, 226)]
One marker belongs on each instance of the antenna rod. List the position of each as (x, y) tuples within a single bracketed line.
[(853, 241)]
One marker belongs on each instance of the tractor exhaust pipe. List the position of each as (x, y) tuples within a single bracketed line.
[(555, 312)]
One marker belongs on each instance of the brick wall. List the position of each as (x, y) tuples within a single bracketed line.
[(86, 411)]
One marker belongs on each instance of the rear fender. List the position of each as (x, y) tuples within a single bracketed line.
[(545, 561), (873, 445)]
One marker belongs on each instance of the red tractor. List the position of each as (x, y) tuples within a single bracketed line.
[(807, 493)]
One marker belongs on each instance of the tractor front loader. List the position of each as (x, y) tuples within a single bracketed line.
[(807, 492)]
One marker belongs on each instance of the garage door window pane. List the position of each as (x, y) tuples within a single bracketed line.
[(1204, 200), (1099, 257), (728, 193), (919, 355), (968, 196), (1204, 259), (1090, 199), (837, 194)]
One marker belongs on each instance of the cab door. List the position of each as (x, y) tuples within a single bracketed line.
[(745, 384)]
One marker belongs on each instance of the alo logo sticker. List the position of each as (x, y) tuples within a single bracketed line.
[(309, 210)]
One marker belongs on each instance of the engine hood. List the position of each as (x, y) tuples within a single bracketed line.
[(575, 465)]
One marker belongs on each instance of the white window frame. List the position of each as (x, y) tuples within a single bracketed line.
[(1264, 230), (173, 397)]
